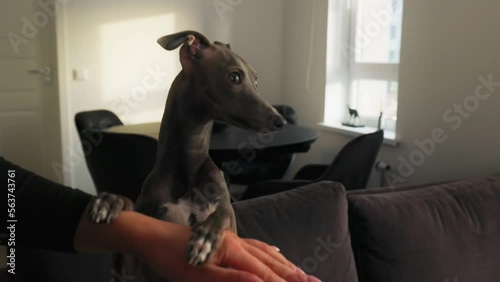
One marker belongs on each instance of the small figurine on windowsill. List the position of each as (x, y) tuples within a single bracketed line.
[(379, 125), (354, 120)]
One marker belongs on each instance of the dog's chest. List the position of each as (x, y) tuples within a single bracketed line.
[(185, 212)]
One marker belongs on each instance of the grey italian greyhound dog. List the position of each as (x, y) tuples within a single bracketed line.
[(185, 186)]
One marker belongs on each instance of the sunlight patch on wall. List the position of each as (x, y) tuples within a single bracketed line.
[(136, 71)]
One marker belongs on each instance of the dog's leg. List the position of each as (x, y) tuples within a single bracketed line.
[(105, 207), (207, 234), (214, 214)]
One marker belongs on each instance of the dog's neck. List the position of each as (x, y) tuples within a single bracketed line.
[(184, 135)]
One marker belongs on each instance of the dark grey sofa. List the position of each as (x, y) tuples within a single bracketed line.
[(433, 233)]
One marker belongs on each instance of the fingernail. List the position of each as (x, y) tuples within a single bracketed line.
[(276, 248), (312, 279)]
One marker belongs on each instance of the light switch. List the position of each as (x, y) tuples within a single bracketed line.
[(80, 74)]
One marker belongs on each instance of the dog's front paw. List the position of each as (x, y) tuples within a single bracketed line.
[(203, 243), (105, 207)]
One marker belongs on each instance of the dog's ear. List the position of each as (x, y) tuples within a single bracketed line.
[(172, 41), (194, 43)]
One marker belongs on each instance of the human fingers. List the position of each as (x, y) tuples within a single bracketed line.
[(232, 253), (276, 262), (273, 251), (270, 250)]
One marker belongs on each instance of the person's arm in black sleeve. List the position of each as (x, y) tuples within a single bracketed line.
[(47, 213)]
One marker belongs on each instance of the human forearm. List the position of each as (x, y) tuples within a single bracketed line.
[(126, 234), (159, 244)]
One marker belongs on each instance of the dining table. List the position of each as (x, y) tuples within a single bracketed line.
[(290, 139), (243, 155)]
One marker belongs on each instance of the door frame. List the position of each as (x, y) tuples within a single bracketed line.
[(66, 122)]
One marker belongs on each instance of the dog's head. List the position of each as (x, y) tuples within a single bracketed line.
[(229, 83)]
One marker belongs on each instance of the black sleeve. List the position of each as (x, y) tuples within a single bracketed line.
[(46, 213)]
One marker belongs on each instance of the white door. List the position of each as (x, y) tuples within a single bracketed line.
[(30, 131)]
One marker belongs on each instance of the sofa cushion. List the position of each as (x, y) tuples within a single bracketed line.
[(309, 225), (446, 232)]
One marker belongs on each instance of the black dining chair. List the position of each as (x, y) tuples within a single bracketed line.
[(351, 167), (288, 113), (98, 119), (118, 163), (264, 166)]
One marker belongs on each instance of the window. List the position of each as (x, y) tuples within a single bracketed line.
[(364, 39)]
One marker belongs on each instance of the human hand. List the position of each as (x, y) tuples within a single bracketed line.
[(236, 259)]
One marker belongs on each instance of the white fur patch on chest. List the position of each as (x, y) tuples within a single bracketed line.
[(181, 211)]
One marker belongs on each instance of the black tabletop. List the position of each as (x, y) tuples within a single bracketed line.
[(291, 138)]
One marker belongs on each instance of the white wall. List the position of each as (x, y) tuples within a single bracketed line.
[(115, 41), (446, 45), (254, 29), (304, 68)]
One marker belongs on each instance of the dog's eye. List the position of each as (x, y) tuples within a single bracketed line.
[(256, 83), (235, 77)]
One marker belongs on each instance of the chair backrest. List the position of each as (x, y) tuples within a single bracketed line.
[(287, 112), (98, 119), (119, 163), (353, 164)]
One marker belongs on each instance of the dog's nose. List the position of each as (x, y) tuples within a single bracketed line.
[(278, 123)]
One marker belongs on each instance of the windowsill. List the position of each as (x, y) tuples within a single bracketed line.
[(389, 136)]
